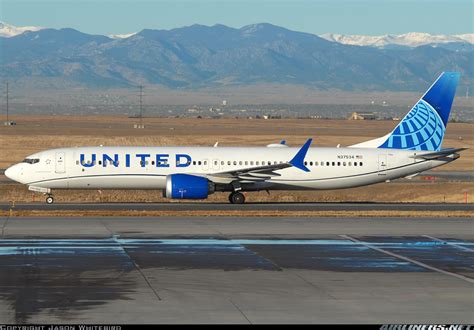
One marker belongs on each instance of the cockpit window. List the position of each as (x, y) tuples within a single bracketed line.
[(31, 160)]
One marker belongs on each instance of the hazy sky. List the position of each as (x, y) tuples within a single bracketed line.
[(371, 17)]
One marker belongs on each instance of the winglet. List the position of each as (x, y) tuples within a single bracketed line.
[(298, 160)]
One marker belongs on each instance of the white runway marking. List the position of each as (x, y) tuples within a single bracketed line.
[(421, 264)]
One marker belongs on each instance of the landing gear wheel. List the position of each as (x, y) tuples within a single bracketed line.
[(49, 200), (237, 198)]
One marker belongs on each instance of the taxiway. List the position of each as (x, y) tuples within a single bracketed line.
[(236, 270)]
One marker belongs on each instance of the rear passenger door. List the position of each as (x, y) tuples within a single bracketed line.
[(382, 170)]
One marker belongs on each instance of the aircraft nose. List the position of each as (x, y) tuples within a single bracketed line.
[(13, 172)]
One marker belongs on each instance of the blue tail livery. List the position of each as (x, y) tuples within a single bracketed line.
[(424, 126)]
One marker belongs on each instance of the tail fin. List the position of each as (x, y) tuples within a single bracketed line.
[(424, 126)]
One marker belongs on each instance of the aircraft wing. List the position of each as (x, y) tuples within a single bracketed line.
[(248, 175), (261, 173)]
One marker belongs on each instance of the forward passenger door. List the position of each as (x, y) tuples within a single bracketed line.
[(60, 162)]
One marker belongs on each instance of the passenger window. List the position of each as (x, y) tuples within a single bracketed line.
[(344, 164), (199, 162), (229, 163), (194, 162), (240, 162), (338, 163), (251, 162), (316, 163), (305, 163), (222, 162), (327, 163), (77, 162), (310, 163), (361, 164), (333, 163), (257, 163), (246, 162), (350, 163), (235, 162), (100, 162), (355, 163)]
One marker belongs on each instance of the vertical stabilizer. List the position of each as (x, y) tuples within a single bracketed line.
[(424, 126)]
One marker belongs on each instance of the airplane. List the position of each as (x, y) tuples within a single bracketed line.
[(190, 172)]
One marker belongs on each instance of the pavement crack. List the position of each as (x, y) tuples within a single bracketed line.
[(107, 228), (278, 268), (314, 286), (137, 267), (210, 226), (241, 312)]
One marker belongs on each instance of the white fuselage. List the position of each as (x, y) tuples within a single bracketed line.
[(330, 168)]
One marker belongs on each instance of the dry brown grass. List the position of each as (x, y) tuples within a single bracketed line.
[(237, 213), (35, 133)]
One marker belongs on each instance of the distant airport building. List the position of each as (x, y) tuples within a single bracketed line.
[(363, 116)]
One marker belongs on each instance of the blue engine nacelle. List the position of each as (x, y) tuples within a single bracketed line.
[(186, 186)]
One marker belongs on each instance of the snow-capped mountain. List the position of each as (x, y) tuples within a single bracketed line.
[(412, 39), (8, 30), (121, 36)]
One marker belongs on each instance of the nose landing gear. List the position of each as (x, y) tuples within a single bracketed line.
[(49, 199), (236, 198)]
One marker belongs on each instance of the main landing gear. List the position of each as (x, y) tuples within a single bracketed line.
[(49, 199), (236, 197)]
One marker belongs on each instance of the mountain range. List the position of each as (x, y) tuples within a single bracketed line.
[(205, 56)]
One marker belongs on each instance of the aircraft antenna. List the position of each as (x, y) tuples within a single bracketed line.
[(7, 104), (7, 98), (141, 106)]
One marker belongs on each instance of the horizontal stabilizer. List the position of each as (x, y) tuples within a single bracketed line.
[(439, 154)]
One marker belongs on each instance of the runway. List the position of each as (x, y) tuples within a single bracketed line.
[(200, 206), (236, 270)]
